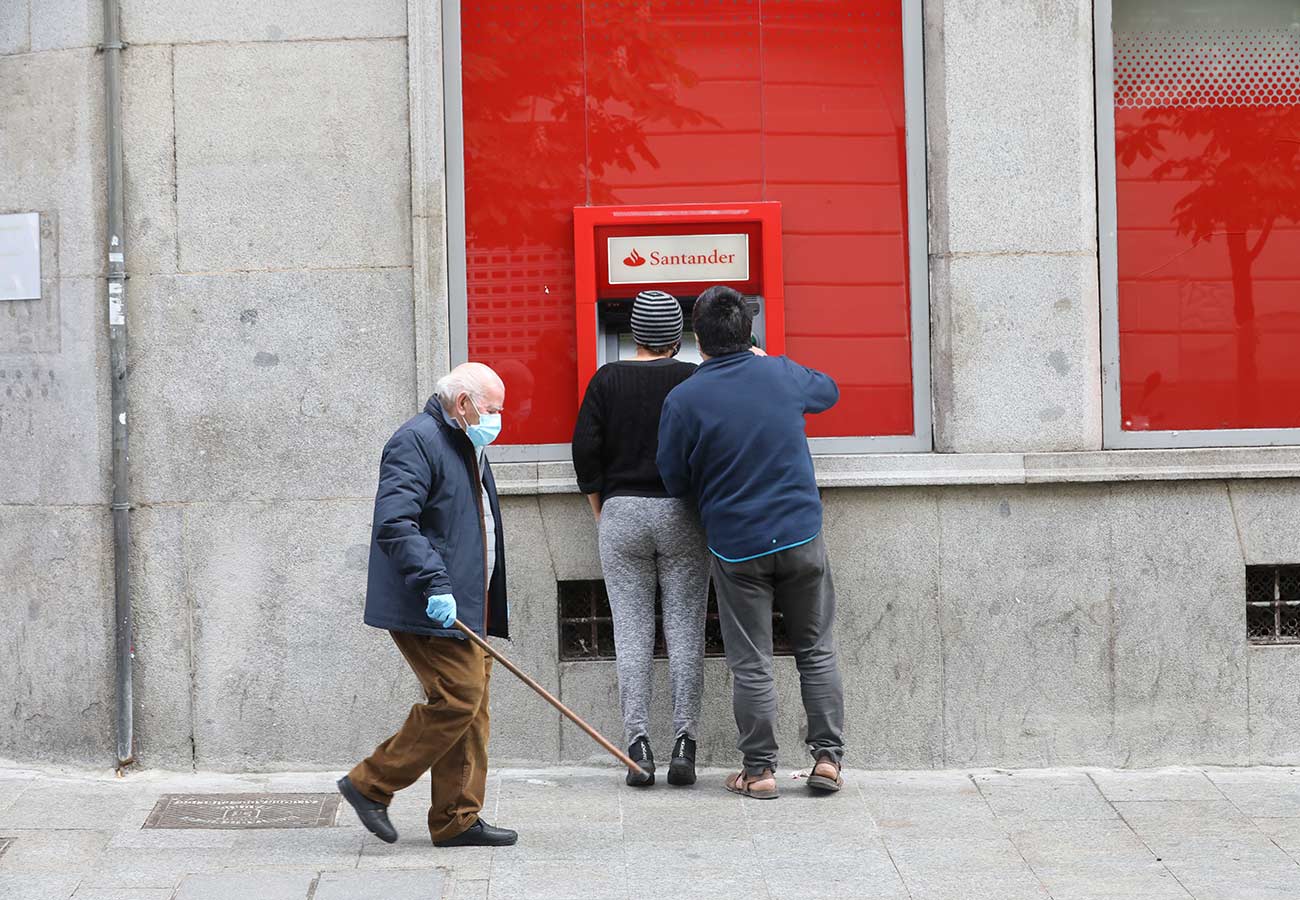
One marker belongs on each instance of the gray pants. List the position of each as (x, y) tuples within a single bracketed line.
[(649, 546), (798, 582)]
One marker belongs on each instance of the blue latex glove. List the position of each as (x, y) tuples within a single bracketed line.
[(442, 609)]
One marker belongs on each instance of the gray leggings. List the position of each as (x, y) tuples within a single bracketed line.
[(646, 541)]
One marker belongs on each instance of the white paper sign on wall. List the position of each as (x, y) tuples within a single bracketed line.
[(20, 256), (677, 258)]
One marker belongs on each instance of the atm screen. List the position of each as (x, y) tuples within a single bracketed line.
[(690, 351)]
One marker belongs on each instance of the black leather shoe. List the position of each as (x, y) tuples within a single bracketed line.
[(372, 815), (481, 834), (681, 771), (641, 754)]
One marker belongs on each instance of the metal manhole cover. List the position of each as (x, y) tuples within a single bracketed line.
[(244, 811)]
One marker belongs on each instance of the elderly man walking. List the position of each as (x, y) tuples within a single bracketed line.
[(733, 436), (436, 555)]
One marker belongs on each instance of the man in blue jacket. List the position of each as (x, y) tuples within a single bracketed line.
[(437, 554), (732, 435)]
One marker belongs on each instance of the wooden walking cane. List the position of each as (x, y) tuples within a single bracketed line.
[(549, 698)]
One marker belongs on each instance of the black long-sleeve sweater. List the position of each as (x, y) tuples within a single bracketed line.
[(617, 433)]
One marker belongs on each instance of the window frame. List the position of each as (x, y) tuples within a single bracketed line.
[(1114, 437), (921, 440)]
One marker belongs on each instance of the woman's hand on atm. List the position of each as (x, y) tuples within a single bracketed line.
[(758, 351)]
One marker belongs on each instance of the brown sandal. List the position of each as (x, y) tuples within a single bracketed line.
[(825, 775), (748, 785)]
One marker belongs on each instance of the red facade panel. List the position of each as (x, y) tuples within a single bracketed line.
[(1207, 144), (708, 101)]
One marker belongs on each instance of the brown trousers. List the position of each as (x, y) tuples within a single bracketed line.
[(447, 736)]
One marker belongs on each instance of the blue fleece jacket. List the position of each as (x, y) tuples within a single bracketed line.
[(733, 436)]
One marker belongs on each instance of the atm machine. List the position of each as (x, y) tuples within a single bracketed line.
[(620, 251)]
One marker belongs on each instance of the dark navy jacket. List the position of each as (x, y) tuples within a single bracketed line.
[(427, 537), (733, 435)]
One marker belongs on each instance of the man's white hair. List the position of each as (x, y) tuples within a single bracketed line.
[(470, 378)]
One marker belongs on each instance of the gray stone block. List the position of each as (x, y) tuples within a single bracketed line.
[(1026, 626), (1267, 518), (163, 653), (524, 726), (1178, 654), (284, 670), (162, 22), (1274, 689), (887, 623), (66, 24), (52, 109), (267, 386), (1016, 354), (149, 168), (1010, 108), (292, 155), (56, 650), (570, 531), (15, 35), (54, 416)]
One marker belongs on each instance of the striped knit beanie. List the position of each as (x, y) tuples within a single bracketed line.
[(656, 319)]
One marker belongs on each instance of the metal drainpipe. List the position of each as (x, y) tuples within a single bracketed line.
[(112, 49)]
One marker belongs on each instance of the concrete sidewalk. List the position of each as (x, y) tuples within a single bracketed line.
[(1067, 834)]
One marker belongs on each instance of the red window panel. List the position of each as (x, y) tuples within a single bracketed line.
[(1207, 144), (666, 101)]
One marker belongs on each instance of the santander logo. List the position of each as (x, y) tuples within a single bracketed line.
[(677, 258)]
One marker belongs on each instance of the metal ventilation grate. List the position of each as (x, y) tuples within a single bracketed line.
[(1273, 604), (587, 626)]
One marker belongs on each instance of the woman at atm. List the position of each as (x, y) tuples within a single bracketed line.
[(650, 543)]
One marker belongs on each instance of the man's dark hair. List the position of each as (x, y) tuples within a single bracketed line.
[(722, 321)]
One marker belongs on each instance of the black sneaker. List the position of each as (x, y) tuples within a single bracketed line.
[(681, 771), (641, 755)]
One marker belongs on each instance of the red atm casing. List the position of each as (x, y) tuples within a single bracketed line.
[(594, 225)]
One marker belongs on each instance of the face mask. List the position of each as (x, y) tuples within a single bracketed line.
[(487, 428)]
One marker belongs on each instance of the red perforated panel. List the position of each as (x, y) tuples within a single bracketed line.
[(1207, 120), (673, 101)]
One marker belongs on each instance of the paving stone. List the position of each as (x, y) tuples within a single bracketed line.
[(556, 879), (1261, 793), (1223, 870), (1283, 832), (140, 867), (395, 884), (53, 852), (12, 788), (1161, 822), (417, 852), (123, 894), (1094, 860), (868, 872), (476, 889), (968, 869), (38, 887), (319, 848), (1070, 796), (243, 886), (1163, 784), (63, 804)]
